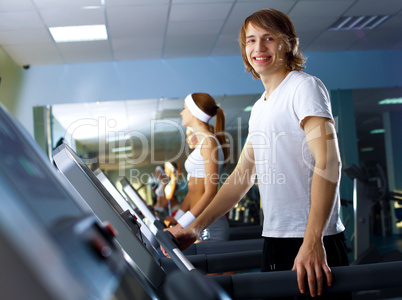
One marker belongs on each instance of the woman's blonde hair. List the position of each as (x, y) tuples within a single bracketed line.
[(279, 25)]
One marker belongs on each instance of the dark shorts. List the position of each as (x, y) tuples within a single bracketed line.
[(279, 255)]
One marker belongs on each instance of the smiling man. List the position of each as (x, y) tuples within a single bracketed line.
[(291, 134)]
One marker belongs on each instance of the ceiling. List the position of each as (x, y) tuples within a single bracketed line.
[(155, 29)]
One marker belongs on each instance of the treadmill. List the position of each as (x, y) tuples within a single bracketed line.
[(265, 285), (226, 256), (209, 257), (108, 209), (235, 245), (134, 197), (148, 228), (180, 284), (52, 248), (236, 232), (153, 263)]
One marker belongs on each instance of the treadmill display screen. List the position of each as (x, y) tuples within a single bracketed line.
[(23, 168), (92, 177)]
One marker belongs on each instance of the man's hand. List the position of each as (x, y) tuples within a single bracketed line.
[(186, 237), (174, 230), (311, 261)]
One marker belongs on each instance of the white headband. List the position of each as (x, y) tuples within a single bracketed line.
[(195, 110), (160, 169)]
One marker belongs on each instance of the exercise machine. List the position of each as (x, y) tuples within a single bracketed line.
[(52, 244), (133, 201), (52, 248), (369, 281), (365, 196), (148, 228), (237, 232), (107, 208)]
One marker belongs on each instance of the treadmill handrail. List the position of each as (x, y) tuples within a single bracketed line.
[(284, 283), (166, 239)]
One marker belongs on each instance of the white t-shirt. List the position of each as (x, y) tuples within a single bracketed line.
[(284, 164)]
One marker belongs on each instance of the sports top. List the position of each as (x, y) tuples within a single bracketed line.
[(195, 165)]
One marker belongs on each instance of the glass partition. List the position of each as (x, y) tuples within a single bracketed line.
[(131, 137)]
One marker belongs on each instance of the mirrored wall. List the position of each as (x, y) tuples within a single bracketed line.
[(131, 137)]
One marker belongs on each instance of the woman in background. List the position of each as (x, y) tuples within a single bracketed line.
[(162, 180), (203, 165), (166, 200), (173, 171)]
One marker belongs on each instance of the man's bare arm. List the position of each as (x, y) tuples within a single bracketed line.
[(311, 259)]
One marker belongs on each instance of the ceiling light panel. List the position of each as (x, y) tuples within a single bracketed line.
[(390, 101), (79, 33), (358, 22), (377, 131)]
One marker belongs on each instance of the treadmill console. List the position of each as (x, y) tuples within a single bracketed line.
[(51, 248)]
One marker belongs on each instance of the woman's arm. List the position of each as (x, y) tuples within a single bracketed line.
[(185, 206), (203, 189), (233, 189), (171, 187)]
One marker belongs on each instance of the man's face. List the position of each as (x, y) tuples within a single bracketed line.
[(265, 52)]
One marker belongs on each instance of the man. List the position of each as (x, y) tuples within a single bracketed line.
[(292, 149)]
